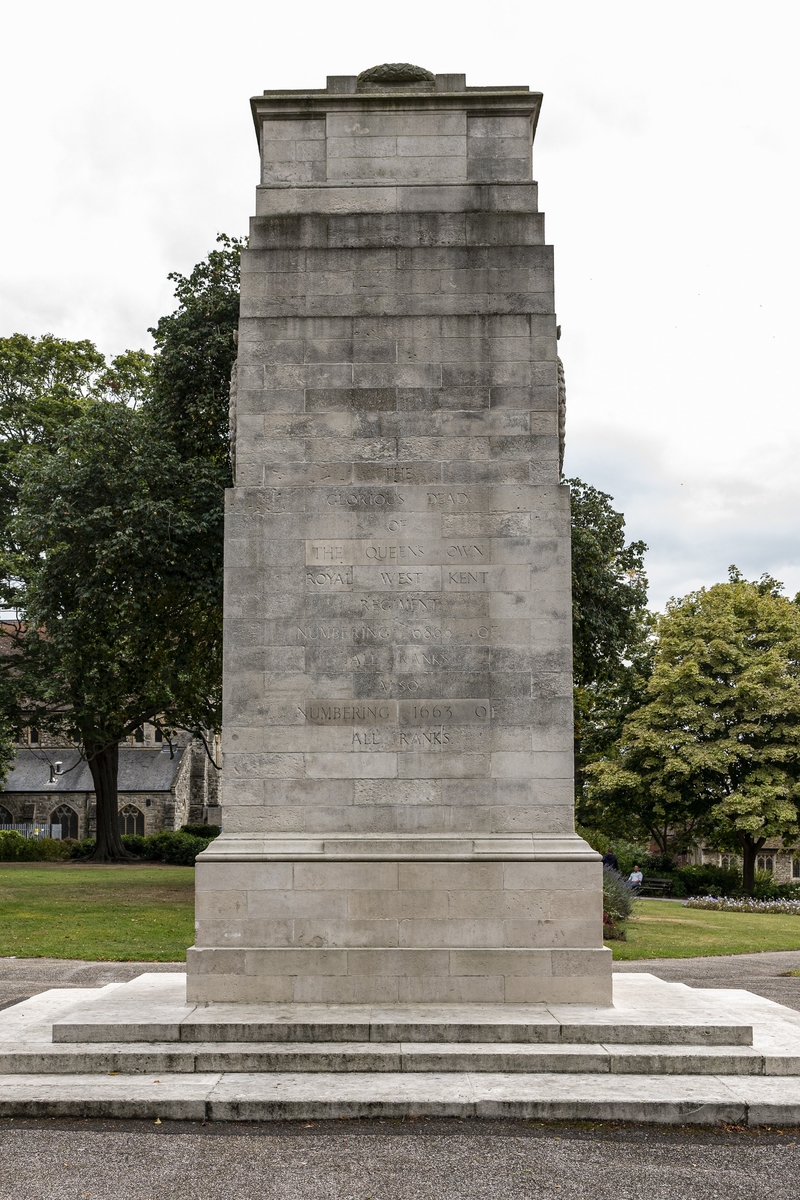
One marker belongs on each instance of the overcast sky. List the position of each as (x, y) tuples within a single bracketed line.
[(666, 157)]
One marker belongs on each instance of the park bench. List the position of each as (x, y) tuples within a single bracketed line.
[(655, 887)]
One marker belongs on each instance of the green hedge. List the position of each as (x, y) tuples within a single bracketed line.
[(705, 880), (177, 847), (16, 848)]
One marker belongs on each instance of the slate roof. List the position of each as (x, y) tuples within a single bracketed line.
[(141, 769)]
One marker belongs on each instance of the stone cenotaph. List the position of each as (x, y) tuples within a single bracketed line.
[(397, 789)]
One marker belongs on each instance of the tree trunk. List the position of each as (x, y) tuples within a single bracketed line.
[(104, 763), (750, 848)]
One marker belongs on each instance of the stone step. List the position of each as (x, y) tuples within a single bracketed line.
[(685, 1099), (377, 1032), (346, 1057), (153, 1008)]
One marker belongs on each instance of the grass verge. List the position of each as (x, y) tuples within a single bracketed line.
[(116, 914), (662, 929)]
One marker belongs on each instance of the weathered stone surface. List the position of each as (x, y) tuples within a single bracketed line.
[(398, 767)]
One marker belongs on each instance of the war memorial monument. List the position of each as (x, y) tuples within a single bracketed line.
[(398, 917), (398, 788)]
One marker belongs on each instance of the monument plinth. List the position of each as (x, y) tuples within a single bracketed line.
[(398, 795)]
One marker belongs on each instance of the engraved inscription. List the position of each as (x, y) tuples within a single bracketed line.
[(399, 685), (424, 739), (364, 498), (365, 739), (477, 580), (380, 579), (397, 474), (361, 634), (350, 712), (400, 604), (386, 552), (324, 552), (391, 553), (330, 579), (448, 499), (397, 632), (409, 658), (456, 712)]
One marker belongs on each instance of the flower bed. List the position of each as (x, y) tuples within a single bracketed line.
[(744, 905)]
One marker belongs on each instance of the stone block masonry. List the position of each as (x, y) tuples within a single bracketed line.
[(397, 790)]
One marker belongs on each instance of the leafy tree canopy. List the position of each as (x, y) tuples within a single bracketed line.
[(195, 354), (611, 629), (111, 540), (118, 539), (609, 588), (715, 747), (45, 384)]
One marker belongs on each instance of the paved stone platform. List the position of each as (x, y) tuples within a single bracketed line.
[(21, 978), (153, 1008), (665, 1053), (764, 974)]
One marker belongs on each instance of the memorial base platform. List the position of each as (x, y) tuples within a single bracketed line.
[(663, 1052)]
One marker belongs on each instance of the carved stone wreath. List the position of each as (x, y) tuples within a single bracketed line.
[(388, 73)]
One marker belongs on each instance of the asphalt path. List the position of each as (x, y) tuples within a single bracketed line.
[(426, 1159)]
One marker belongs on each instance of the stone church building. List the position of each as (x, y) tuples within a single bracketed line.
[(159, 788)]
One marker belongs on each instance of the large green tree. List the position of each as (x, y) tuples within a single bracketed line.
[(45, 384), (117, 577), (611, 627), (715, 748), (195, 352), (112, 533), (609, 587)]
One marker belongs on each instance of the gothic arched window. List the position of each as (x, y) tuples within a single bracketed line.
[(131, 820), (67, 818), (5, 816)]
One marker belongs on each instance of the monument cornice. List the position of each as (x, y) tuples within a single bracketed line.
[(305, 105)]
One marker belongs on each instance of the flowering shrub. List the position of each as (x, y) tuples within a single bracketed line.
[(617, 904), (746, 904)]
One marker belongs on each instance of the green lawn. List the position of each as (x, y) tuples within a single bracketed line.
[(55, 910), (66, 910), (662, 929)]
